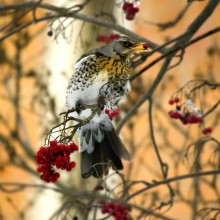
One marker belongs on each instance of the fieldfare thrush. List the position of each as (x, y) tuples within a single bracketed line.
[(103, 72)]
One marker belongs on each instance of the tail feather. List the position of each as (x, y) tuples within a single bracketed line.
[(117, 145), (87, 135), (86, 164), (111, 154), (100, 162), (94, 164), (101, 148)]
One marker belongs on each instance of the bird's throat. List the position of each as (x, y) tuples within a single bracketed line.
[(113, 66)]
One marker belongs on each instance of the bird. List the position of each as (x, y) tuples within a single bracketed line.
[(101, 74)]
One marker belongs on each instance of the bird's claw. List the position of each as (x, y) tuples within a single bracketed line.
[(79, 106), (101, 102)]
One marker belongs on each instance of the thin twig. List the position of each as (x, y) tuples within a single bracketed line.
[(164, 26)]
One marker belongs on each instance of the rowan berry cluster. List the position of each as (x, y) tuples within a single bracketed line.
[(187, 113), (118, 211), (130, 10), (107, 39), (185, 118), (55, 155), (112, 114)]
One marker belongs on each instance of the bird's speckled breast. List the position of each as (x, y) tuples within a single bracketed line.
[(98, 75), (113, 67)]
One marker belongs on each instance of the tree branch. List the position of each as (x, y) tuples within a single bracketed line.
[(64, 12), (173, 179)]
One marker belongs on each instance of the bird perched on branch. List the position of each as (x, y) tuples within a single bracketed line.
[(102, 74)]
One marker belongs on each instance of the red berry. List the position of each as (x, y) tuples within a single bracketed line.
[(116, 111), (72, 164), (39, 170), (209, 130), (114, 36), (57, 175), (129, 16), (127, 5), (52, 179), (171, 102), (176, 100), (135, 9), (145, 46), (74, 146), (124, 7), (107, 111), (111, 117), (53, 143)]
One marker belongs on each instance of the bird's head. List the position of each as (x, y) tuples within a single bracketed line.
[(126, 46)]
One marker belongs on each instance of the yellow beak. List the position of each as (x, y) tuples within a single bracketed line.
[(141, 46)]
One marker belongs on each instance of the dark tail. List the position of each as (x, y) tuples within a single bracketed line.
[(106, 151)]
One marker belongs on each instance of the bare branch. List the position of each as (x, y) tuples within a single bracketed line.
[(64, 12), (174, 179)]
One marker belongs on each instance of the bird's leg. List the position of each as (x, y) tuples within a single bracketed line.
[(79, 106), (101, 102)]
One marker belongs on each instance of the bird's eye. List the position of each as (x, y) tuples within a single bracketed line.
[(126, 43)]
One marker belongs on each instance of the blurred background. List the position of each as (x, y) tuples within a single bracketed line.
[(36, 64)]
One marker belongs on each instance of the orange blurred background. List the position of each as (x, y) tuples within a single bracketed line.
[(45, 53)]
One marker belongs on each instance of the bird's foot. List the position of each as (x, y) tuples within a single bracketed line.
[(79, 106), (101, 102)]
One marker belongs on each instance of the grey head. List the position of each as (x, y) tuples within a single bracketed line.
[(122, 47)]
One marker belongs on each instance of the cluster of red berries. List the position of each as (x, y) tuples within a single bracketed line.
[(207, 130), (130, 10), (112, 114), (186, 118), (119, 211), (55, 155), (107, 39)]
